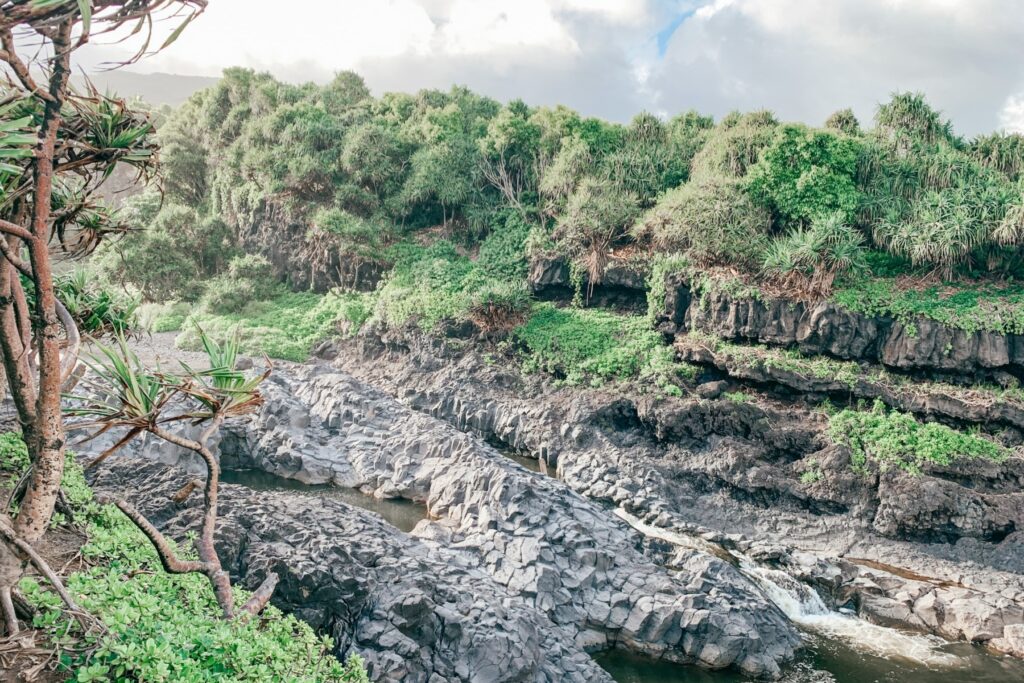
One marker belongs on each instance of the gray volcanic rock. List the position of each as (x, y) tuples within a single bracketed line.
[(415, 611), (721, 473), (930, 404), (570, 558)]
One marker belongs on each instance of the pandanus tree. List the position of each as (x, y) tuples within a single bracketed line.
[(57, 147), (124, 395)]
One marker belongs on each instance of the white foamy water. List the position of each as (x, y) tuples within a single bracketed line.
[(804, 607)]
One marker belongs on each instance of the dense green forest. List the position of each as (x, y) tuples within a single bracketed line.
[(452, 193)]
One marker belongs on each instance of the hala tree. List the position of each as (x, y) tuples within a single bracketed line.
[(127, 396), (57, 147)]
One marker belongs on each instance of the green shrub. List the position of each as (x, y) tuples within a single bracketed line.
[(171, 254), (96, 309), (712, 221), (1002, 151), (427, 284), (499, 305), (163, 627), (811, 259), (286, 326), (734, 145), (436, 283), (806, 174), (249, 278), (894, 439), (13, 453), (844, 121), (169, 317), (596, 216), (971, 307), (908, 119)]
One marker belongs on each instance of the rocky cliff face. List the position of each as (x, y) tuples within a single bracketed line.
[(271, 231), (823, 328), (621, 287)]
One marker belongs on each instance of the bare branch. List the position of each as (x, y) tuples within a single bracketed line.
[(16, 230), (169, 560), (9, 54), (260, 597)]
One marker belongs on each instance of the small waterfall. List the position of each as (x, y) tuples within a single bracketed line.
[(804, 606)]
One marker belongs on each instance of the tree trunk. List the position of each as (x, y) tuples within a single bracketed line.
[(47, 449)]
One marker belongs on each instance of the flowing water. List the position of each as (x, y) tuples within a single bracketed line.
[(403, 514), (840, 648)]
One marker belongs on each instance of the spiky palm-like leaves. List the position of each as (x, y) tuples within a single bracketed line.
[(125, 394), (810, 259)]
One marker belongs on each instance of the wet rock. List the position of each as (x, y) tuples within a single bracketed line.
[(720, 475), (531, 534)]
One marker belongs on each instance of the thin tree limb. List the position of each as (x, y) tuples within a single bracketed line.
[(164, 550)]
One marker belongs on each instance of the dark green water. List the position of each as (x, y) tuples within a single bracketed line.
[(831, 661), (400, 513)]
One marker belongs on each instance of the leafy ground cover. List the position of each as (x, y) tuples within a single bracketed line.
[(889, 438), (595, 346), (982, 306), (162, 628), (284, 327)]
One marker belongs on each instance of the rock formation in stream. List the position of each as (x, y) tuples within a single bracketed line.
[(417, 612), (588, 571), (725, 472), (593, 579)]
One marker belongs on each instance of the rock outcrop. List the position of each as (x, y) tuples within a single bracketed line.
[(593, 579), (621, 287), (270, 230), (725, 472), (823, 328), (589, 572), (415, 611), (959, 405)]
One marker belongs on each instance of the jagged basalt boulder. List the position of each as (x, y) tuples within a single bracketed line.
[(412, 609)]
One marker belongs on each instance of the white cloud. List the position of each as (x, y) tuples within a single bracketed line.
[(480, 27), (802, 58), (806, 59), (1011, 116)]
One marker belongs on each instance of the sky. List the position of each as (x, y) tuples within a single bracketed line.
[(615, 58)]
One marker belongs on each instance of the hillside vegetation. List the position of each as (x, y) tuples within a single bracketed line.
[(451, 195)]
